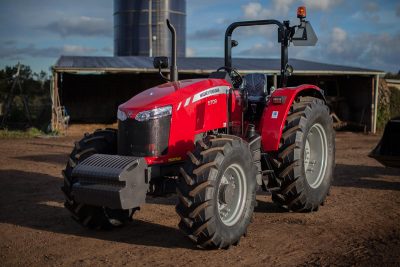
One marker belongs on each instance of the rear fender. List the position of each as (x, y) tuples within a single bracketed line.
[(274, 115)]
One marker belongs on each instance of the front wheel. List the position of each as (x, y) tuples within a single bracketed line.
[(103, 142), (306, 158), (217, 192)]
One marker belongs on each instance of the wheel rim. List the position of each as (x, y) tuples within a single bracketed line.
[(231, 195), (315, 155)]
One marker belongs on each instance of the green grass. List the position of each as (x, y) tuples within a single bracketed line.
[(29, 133)]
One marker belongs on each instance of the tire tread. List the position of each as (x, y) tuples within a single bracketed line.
[(291, 194)]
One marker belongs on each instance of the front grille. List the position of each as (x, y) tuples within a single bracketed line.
[(144, 139)]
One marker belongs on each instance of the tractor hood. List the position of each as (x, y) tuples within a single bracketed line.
[(168, 94)]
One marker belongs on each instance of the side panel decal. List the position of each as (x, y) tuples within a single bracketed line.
[(210, 92)]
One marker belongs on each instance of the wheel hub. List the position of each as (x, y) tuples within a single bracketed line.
[(232, 194), (315, 155), (227, 193)]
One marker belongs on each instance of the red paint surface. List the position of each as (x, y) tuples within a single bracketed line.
[(270, 128), (201, 116), (208, 113)]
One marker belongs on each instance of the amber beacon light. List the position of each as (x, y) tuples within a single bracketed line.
[(301, 12)]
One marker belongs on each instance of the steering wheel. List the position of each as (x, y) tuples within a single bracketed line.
[(236, 78)]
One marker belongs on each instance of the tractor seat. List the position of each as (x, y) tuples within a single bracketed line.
[(256, 86)]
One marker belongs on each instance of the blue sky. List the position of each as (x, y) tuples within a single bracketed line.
[(355, 33)]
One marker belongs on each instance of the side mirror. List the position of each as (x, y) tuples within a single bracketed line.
[(304, 35), (160, 62), (234, 43)]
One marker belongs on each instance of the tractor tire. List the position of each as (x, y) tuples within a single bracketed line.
[(305, 161), (102, 142), (216, 191)]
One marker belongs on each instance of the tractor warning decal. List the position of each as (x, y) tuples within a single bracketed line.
[(210, 92)]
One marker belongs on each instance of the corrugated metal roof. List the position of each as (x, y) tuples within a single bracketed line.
[(199, 65)]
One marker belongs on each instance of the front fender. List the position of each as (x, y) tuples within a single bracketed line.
[(274, 115)]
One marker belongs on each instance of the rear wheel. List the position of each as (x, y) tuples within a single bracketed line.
[(216, 192), (306, 157), (103, 142)]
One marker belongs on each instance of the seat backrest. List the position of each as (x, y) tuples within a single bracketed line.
[(256, 86)]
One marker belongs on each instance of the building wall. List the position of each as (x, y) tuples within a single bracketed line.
[(95, 98), (349, 96)]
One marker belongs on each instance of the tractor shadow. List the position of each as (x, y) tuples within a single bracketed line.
[(34, 200), (60, 158), (268, 207), (356, 176), (264, 204), (369, 177), (52, 145)]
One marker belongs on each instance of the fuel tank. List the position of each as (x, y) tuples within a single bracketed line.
[(162, 122)]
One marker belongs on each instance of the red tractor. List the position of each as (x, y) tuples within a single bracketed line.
[(213, 141)]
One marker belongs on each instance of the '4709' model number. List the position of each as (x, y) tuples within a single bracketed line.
[(212, 102)]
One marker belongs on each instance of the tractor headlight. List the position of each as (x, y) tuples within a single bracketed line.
[(154, 113), (121, 115)]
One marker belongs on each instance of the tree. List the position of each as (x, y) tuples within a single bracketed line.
[(390, 75), (35, 87)]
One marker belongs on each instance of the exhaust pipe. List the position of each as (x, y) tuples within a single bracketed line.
[(174, 68)]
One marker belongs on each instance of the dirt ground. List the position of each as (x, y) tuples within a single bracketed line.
[(358, 225)]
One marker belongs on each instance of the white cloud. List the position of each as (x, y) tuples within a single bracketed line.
[(208, 34), (369, 12), (254, 10), (368, 50), (371, 7), (338, 39), (80, 26), (320, 4), (260, 50), (77, 50), (338, 34), (30, 50), (283, 6), (358, 15), (190, 52), (223, 21)]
